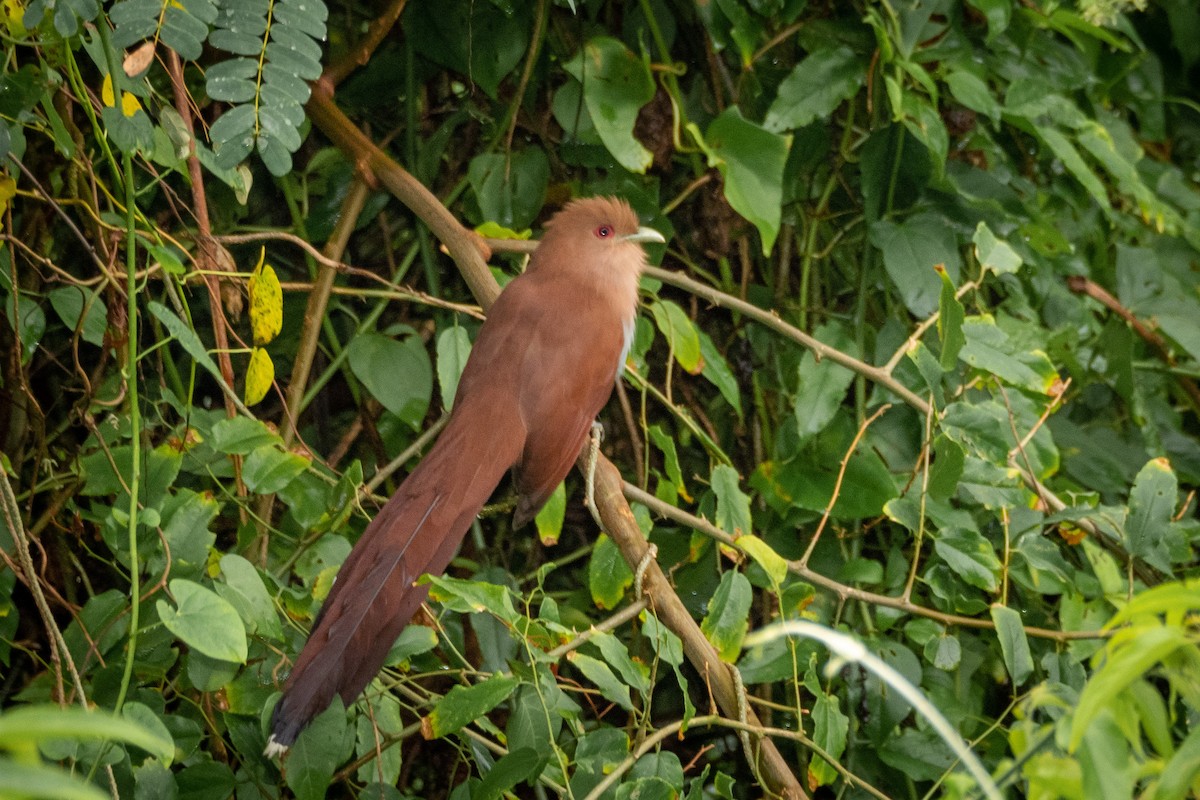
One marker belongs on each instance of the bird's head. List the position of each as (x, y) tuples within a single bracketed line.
[(602, 229)]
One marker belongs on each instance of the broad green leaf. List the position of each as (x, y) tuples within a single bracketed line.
[(925, 123), (1151, 507), (751, 160), (510, 187), (1066, 152), (317, 752), (764, 555), (665, 443), (241, 435), (267, 469), (514, 767), (944, 652), (993, 253), (481, 42), (186, 337), (31, 779), (204, 621), (815, 88), (830, 728), (950, 323), (23, 727), (1129, 658), (971, 556), (549, 519), (473, 597), (727, 620), (680, 333), (635, 673), (616, 84), (596, 671), (463, 705), (970, 90), (82, 311), (244, 589), (1013, 643), (989, 349), (733, 505), (911, 251), (823, 384), (717, 372), (453, 349), (398, 374), (608, 574)]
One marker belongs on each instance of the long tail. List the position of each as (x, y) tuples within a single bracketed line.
[(373, 598)]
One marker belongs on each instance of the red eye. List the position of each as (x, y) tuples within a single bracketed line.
[(603, 232)]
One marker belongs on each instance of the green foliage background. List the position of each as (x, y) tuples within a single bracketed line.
[(932, 383)]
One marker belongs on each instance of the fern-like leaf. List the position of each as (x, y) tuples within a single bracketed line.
[(276, 54), (181, 25)]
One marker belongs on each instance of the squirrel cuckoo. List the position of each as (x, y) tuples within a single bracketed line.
[(543, 365)]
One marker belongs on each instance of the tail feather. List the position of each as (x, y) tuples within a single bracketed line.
[(373, 598)]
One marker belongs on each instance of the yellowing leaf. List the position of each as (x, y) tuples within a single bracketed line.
[(8, 189), (259, 376), (14, 17), (266, 303), (106, 92), (130, 105)]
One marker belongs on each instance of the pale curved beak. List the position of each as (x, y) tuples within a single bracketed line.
[(645, 236)]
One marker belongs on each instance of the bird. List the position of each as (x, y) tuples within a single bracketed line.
[(543, 365)]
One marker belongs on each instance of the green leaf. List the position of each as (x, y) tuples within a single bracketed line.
[(716, 371), (510, 187), (463, 705), (23, 728), (244, 589), (608, 574), (1151, 507), (32, 780), (751, 161), (232, 81), (267, 469), (635, 673), (680, 333), (549, 519), (453, 349), (994, 254), (970, 90), (970, 556), (81, 311), (317, 752), (733, 505), (605, 680), (950, 323), (989, 349), (1135, 653), (665, 443), (204, 621), (830, 728), (1013, 643), (398, 374), (479, 41), (473, 597), (764, 555), (823, 383), (513, 768), (815, 88), (616, 84), (185, 336), (911, 250), (241, 435), (727, 620)]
